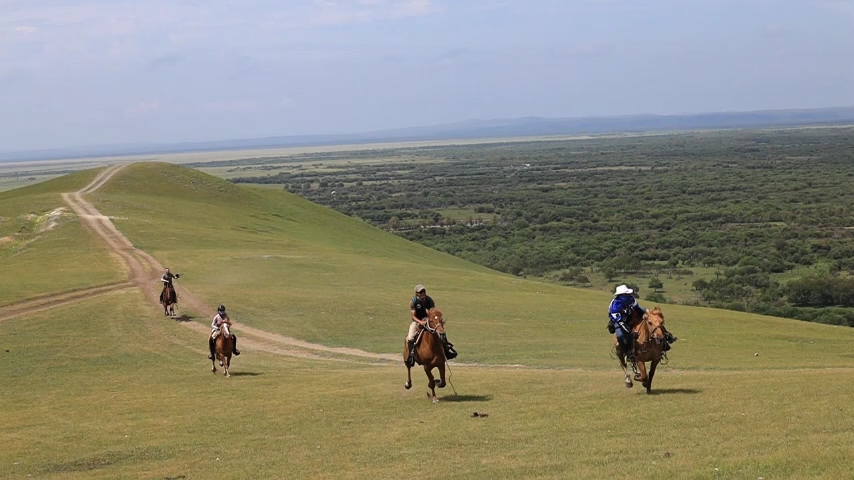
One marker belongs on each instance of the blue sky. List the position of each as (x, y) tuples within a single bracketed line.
[(121, 71)]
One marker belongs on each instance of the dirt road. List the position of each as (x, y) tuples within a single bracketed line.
[(144, 271)]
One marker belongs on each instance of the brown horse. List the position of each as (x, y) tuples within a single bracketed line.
[(224, 348), (648, 346), (168, 299), (429, 352)]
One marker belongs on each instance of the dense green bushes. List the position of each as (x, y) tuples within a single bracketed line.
[(754, 204)]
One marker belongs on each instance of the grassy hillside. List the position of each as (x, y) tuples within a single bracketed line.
[(121, 394), (43, 246), (108, 388), (291, 267)]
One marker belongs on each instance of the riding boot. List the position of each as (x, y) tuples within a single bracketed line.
[(410, 362), (212, 347), (669, 338), (234, 350), (450, 353)]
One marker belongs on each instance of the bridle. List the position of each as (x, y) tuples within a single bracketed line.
[(427, 327), (652, 330)]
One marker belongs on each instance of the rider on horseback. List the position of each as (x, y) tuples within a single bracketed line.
[(167, 278), (620, 320), (419, 305), (220, 317)]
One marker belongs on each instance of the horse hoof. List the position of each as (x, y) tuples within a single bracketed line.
[(407, 385), (436, 382), (435, 400), (629, 385)]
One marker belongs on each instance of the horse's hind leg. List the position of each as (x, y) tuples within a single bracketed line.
[(622, 359)]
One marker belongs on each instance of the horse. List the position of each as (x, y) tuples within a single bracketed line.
[(429, 352), (648, 333), (224, 348), (168, 299)]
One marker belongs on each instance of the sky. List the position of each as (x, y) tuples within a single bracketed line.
[(99, 72)]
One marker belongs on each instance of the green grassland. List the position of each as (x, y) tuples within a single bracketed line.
[(108, 388), (37, 258)]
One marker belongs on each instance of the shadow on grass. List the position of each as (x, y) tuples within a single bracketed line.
[(245, 374), (668, 391), (183, 318), (467, 398)]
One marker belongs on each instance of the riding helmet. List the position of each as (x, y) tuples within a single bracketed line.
[(221, 308)]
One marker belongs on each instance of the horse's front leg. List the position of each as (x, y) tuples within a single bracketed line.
[(648, 382), (227, 364), (213, 365), (441, 375), (641, 376), (431, 382)]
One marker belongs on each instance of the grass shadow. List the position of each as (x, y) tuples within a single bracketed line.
[(668, 391), (245, 374), (183, 318), (467, 398)]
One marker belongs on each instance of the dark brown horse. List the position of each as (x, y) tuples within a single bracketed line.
[(224, 348), (168, 299), (429, 352), (648, 346)]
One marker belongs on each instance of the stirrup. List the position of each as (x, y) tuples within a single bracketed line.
[(236, 352)]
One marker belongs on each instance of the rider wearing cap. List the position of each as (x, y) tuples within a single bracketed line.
[(220, 317), (419, 305)]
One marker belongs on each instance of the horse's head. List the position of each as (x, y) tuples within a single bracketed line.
[(435, 320), (655, 322), (224, 330)]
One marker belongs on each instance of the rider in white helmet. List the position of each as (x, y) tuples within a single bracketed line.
[(220, 317)]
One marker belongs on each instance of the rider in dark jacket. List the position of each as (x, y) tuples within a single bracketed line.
[(418, 307)]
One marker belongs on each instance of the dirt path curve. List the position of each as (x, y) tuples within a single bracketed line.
[(144, 272), (45, 302)]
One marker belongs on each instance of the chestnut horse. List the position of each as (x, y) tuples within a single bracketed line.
[(648, 346), (168, 299), (429, 352), (224, 348)]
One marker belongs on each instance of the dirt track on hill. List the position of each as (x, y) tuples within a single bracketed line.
[(144, 272)]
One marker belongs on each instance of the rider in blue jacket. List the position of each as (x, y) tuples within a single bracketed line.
[(620, 319)]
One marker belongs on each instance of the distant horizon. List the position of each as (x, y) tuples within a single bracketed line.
[(367, 133)]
